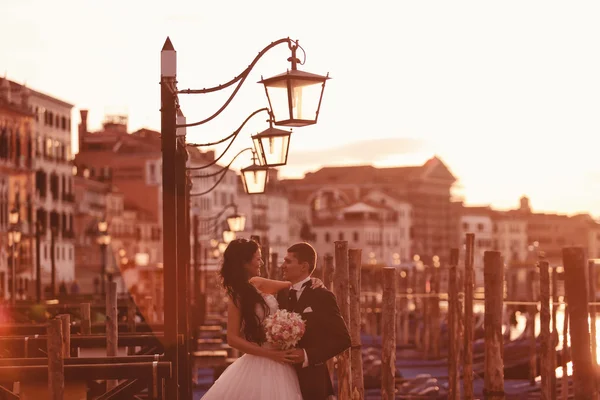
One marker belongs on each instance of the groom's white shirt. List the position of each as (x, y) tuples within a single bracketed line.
[(299, 289)]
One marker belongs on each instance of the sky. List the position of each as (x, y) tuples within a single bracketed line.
[(507, 94)]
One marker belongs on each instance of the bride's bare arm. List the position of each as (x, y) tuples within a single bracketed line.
[(269, 286), (235, 339)]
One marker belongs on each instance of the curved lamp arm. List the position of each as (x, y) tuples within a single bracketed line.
[(292, 44), (234, 135), (224, 168), (222, 176), (220, 213)]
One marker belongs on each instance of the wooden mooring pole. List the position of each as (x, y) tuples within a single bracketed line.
[(341, 291), (86, 320), (468, 319), (328, 270), (592, 296), (426, 304), (577, 298), (435, 312), (403, 310), (354, 269), (66, 334), (388, 334), (532, 311), (545, 337), (56, 372), (564, 382), (554, 336), (131, 307), (493, 274), (112, 326), (453, 337)]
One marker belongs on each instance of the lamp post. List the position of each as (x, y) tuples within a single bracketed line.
[(53, 261), (103, 240), (14, 237), (38, 262), (287, 94)]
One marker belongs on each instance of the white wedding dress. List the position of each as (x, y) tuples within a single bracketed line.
[(257, 378)]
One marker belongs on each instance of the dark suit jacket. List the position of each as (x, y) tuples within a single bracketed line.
[(326, 336)]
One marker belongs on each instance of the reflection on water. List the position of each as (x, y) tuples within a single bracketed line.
[(521, 319)]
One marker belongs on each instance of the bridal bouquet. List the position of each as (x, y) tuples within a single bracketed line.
[(284, 329)]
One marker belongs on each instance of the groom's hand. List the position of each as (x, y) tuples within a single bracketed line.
[(298, 356)]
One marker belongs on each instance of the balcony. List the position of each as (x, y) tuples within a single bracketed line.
[(68, 197)]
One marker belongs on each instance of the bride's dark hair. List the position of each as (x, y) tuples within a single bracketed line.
[(235, 281)]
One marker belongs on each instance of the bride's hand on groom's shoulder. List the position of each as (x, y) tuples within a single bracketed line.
[(316, 283)]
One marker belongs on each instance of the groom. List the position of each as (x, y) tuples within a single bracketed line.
[(326, 333)]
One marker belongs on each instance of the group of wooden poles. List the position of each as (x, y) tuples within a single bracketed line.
[(342, 274), (127, 375)]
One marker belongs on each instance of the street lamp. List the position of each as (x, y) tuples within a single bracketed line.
[(295, 96), (13, 217), (255, 177), (272, 146), (142, 259), (295, 88), (102, 226), (236, 222), (228, 236), (258, 174), (103, 241), (14, 237)]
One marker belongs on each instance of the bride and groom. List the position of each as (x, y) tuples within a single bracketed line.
[(265, 372)]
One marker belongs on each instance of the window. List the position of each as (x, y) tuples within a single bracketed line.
[(355, 236), (327, 237), (151, 173), (341, 236), (49, 149)]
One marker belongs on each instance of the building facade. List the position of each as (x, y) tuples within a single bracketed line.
[(427, 188), (16, 185), (373, 228), (130, 163), (54, 198), (214, 197)]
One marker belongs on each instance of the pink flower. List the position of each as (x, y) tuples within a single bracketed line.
[(284, 329)]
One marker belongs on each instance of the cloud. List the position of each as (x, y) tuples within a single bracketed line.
[(361, 152)]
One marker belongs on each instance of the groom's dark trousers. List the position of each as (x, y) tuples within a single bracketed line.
[(325, 337)]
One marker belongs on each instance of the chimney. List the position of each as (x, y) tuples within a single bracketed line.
[(24, 97), (83, 129), (524, 204), (5, 90)]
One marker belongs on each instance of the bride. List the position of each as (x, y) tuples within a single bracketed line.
[(263, 372)]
